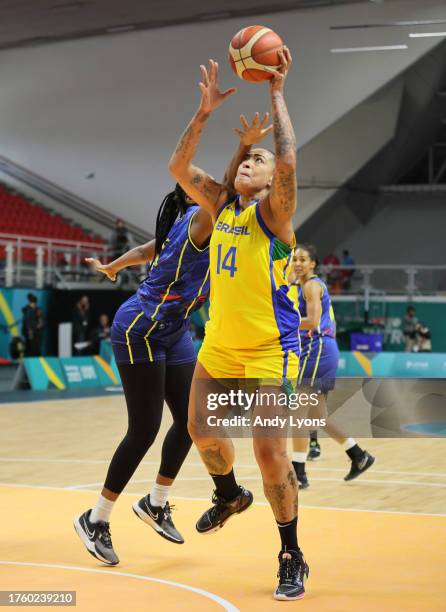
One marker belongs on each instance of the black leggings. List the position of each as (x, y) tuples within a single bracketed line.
[(146, 385)]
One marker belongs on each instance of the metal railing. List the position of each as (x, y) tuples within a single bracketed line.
[(37, 261), (34, 261), (368, 279)]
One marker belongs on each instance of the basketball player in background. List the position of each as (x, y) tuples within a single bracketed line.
[(251, 333), (319, 358)]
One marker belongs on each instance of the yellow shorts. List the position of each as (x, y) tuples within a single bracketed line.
[(269, 363)]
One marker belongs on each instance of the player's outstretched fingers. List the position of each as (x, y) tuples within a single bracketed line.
[(244, 122), (288, 56), (213, 70), (264, 121), (283, 62), (204, 75)]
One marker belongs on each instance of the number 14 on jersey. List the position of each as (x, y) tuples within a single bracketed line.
[(226, 261)]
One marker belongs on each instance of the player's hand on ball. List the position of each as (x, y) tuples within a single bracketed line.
[(100, 267), (279, 74), (211, 96), (254, 133)]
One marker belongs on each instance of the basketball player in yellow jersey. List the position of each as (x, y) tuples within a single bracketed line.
[(251, 333)]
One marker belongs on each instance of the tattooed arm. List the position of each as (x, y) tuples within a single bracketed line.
[(283, 195), (199, 185)]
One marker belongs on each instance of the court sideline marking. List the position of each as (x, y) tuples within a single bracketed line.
[(223, 602), (206, 499), (413, 483), (236, 465)]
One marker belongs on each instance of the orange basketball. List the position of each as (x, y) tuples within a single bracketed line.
[(251, 50)]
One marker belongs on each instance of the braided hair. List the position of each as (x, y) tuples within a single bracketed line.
[(174, 204)]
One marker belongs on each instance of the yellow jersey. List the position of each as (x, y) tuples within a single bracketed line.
[(249, 306)]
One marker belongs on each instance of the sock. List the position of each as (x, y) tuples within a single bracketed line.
[(102, 510), (159, 495), (288, 534), (226, 485), (299, 468), (352, 449), (313, 436), (299, 457)]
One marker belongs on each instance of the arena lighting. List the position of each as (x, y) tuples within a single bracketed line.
[(426, 34), (123, 28), (362, 49), (67, 6), (389, 24), (215, 15)]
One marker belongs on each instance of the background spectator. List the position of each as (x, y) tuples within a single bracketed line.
[(409, 328), (101, 332), (423, 342), (17, 348), (346, 275), (32, 327), (119, 240), (333, 276), (81, 327)]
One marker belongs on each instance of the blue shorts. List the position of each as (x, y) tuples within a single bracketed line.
[(137, 339), (318, 364)]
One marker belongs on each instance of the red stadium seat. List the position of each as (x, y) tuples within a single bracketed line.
[(23, 218)]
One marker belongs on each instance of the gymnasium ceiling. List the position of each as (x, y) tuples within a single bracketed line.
[(33, 22)]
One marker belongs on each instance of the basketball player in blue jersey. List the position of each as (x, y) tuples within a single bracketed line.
[(155, 356), (319, 357), (251, 332)]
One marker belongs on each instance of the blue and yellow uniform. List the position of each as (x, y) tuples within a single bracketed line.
[(153, 324), (319, 349), (252, 327)]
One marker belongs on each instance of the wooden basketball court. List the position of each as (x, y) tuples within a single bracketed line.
[(376, 543)]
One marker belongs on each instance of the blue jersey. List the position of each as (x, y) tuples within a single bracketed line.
[(327, 323), (178, 282), (319, 350)]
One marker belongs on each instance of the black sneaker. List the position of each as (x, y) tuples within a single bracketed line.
[(303, 480), (293, 571), (360, 465), (301, 475), (158, 518), (214, 518), (314, 451), (96, 537)]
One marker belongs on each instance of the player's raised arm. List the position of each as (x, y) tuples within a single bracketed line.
[(136, 256), (283, 196), (249, 135), (201, 187)]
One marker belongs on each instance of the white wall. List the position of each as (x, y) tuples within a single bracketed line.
[(343, 148), (117, 105), (408, 229)]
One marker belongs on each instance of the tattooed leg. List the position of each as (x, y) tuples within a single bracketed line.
[(217, 453), (217, 457), (279, 480)]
